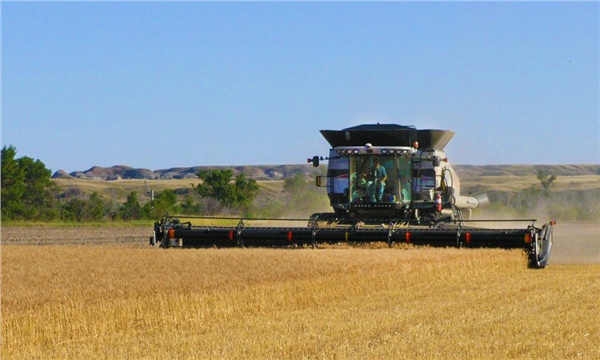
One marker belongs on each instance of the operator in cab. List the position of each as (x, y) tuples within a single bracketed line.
[(376, 184)]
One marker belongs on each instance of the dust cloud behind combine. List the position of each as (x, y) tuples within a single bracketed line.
[(576, 243)]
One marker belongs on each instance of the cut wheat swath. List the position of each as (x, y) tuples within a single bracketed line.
[(124, 302)]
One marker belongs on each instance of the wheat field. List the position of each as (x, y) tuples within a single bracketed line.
[(134, 302)]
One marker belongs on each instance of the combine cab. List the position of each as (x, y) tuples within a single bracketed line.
[(388, 183), (393, 172)]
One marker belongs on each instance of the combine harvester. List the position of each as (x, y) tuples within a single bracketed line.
[(386, 183)]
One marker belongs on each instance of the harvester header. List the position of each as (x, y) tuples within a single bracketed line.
[(385, 182)]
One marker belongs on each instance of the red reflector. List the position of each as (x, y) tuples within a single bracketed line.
[(231, 235), (172, 234), (527, 238), (289, 236), (468, 237), (407, 237)]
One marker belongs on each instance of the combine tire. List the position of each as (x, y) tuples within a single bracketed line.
[(541, 244)]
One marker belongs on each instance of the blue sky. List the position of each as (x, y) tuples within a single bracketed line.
[(159, 85)]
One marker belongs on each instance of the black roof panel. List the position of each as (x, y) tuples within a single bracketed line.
[(388, 135)]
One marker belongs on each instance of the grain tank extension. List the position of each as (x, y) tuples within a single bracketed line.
[(386, 183)]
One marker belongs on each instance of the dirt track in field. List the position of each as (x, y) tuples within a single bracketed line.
[(58, 235), (574, 243)]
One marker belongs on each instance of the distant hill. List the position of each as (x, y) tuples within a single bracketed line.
[(279, 172), (257, 172)]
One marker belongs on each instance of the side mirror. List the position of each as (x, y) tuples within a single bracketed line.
[(315, 161), (318, 181), (437, 161)]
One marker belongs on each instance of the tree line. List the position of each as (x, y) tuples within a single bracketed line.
[(28, 193)]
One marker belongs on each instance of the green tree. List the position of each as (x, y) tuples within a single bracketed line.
[(220, 185), (91, 209), (94, 208), (38, 198), (13, 183), (164, 203), (217, 184), (131, 209), (245, 190), (27, 190), (73, 210), (543, 175)]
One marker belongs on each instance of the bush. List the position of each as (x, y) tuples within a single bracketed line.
[(131, 209)]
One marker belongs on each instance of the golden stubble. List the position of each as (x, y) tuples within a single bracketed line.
[(105, 302)]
